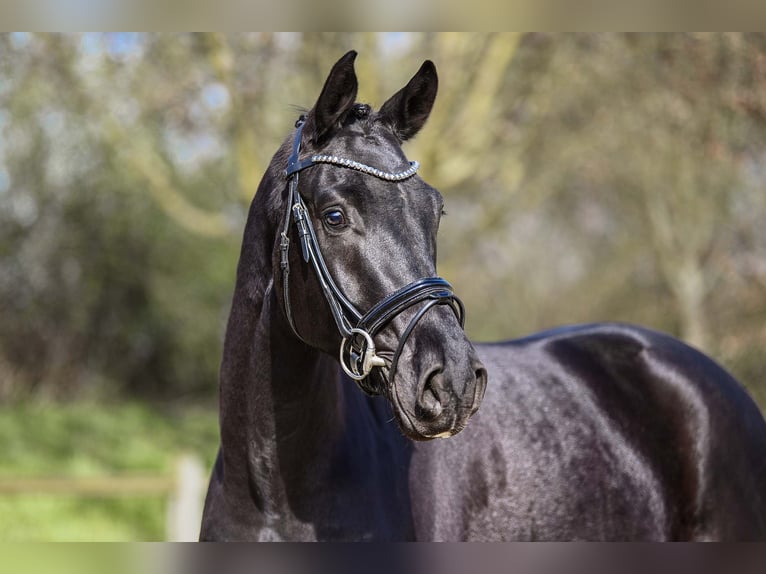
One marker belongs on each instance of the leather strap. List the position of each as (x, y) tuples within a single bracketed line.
[(434, 288)]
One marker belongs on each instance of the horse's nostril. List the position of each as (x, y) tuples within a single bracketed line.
[(480, 381), (429, 406)]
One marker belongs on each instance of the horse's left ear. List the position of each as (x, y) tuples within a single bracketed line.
[(408, 109), (336, 99)]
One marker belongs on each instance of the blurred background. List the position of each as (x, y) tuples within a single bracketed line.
[(587, 177)]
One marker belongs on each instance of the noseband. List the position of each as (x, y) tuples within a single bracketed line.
[(357, 350)]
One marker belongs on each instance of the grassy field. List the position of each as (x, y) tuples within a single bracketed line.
[(92, 439)]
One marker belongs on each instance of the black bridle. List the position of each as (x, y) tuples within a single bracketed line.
[(357, 349)]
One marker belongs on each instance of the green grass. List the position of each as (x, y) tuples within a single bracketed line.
[(93, 439)]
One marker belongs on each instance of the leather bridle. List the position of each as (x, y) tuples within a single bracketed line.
[(357, 350)]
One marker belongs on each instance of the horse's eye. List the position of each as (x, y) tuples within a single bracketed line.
[(334, 218)]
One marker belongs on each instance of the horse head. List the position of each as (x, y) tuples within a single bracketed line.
[(355, 262)]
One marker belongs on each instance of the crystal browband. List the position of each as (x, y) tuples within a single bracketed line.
[(349, 163)]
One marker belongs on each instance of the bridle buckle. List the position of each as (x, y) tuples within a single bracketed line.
[(361, 360)]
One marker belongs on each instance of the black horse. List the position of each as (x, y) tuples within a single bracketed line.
[(590, 432)]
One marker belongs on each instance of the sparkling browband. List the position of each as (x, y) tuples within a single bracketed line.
[(335, 160)]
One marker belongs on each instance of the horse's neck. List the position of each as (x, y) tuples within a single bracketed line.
[(281, 406)]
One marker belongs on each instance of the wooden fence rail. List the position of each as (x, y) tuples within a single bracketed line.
[(185, 489)]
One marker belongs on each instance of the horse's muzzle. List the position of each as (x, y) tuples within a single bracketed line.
[(446, 396)]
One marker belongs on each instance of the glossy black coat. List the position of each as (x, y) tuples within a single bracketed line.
[(597, 432)]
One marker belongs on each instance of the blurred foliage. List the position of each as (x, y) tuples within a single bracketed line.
[(97, 440), (588, 177)]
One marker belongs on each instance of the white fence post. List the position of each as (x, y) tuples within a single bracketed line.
[(186, 500)]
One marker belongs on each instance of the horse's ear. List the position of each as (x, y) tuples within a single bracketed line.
[(408, 109), (338, 95)]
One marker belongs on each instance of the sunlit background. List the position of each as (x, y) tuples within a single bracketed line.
[(587, 178)]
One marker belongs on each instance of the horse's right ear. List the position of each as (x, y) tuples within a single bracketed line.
[(338, 95)]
